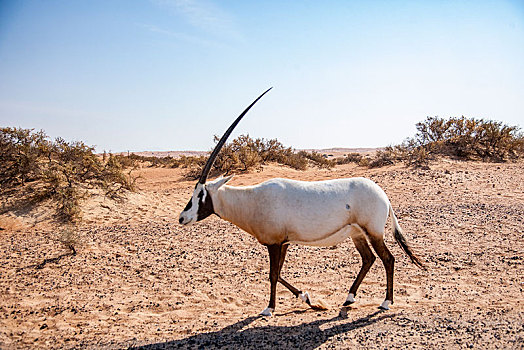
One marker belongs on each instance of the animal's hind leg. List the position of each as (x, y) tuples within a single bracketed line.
[(377, 241), (359, 239)]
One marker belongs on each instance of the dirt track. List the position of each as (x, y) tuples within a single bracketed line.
[(140, 279)]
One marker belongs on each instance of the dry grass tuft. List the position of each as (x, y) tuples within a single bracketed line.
[(69, 238)]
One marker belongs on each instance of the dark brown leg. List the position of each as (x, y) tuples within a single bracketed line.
[(367, 261), (274, 266), (283, 251), (293, 290), (297, 293), (389, 261)]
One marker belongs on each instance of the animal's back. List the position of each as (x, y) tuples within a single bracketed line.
[(311, 211)]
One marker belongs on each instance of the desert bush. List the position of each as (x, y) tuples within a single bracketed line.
[(365, 161), (317, 159), (387, 156), (349, 158), (241, 155), (293, 160), (21, 151), (245, 154), (116, 177), (462, 138), (188, 162), (69, 238), (129, 161), (61, 171), (193, 165), (467, 138)]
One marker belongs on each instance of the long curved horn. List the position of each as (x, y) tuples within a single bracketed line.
[(223, 140)]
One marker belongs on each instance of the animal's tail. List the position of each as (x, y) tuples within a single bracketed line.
[(401, 240)]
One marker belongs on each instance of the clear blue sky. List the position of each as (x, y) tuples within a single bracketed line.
[(169, 74)]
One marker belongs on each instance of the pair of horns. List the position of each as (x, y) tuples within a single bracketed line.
[(223, 140)]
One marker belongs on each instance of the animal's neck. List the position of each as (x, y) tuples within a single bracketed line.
[(234, 204)]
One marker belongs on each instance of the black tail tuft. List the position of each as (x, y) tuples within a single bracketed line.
[(404, 245)]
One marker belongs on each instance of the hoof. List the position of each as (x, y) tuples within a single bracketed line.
[(349, 300), (268, 311), (385, 305), (304, 297)]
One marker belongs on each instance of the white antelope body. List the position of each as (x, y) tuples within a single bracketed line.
[(311, 213), (280, 212)]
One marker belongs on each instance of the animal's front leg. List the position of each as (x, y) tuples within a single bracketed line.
[(274, 267), (297, 293), (283, 252)]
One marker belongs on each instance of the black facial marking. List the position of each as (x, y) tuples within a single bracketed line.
[(205, 207), (189, 205)]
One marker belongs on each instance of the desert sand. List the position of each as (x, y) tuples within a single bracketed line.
[(141, 279)]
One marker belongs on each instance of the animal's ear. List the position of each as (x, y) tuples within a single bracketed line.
[(216, 184)]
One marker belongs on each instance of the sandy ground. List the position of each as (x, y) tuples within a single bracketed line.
[(140, 279)]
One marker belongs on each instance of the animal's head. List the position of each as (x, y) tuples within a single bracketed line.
[(200, 206)]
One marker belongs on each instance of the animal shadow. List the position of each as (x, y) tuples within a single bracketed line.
[(304, 336)]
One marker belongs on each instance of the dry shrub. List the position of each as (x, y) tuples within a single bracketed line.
[(461, 138), (188, 162), (129, 161), (418, 157), (193, 165), (240, 155), (464, 138), (470, 138), (21, 151), (293, 160), (245, 154), (133, 160), (57, 170), (69, 238), (387, 156), (349, 158), (365, 161), (317, 159)]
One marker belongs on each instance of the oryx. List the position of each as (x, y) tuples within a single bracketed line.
[(280, 212)]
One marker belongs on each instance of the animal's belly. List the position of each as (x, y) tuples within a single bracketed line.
[(327, 240)]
